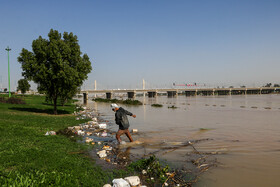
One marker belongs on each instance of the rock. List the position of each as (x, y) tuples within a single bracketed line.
[(133, 180), (120, 183)]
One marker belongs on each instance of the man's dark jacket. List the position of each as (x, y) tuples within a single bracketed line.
[(121, 118)]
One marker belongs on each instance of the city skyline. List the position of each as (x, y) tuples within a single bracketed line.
[(216, 43)]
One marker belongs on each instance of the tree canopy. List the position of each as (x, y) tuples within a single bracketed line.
[(56, 64), (23, 86)]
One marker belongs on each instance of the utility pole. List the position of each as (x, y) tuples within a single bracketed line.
[(95, 86), (143, 87), (9, 49), (1, 83)]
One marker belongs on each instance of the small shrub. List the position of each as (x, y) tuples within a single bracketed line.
[(15, 100), (12, 100), (172, 107), (156, 105), (2, 100), (153, 168), (132, 102)]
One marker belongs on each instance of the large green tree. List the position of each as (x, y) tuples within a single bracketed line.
[(23, 86), (56, 65)]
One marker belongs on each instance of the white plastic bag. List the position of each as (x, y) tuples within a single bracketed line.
[(133, 180), (120, 183)]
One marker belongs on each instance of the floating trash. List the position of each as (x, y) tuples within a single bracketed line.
[(50, 133), (102, 154), (134, 130), (88, 140), (104, 134), (80, 133), (102, 125), (77, 127), (107, 148)]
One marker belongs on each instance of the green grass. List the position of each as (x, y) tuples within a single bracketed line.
[(154, 169), (29, 158)]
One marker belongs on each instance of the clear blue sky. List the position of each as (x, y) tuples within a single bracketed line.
[(226, 42)]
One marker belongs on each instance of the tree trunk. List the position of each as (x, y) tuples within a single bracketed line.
[(54, 105), (64, 102)]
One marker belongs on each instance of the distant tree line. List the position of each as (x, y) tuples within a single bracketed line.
[(270, 85)]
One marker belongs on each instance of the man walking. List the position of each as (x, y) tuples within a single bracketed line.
[(122, 121)]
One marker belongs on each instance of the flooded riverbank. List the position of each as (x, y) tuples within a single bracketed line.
[(244, 130)]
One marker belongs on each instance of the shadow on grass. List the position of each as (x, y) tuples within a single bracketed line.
[(50, 104), (37, 110)]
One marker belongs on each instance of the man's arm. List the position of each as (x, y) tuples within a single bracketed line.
[(129, 113)]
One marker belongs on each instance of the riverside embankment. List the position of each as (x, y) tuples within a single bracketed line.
[(29, 157)]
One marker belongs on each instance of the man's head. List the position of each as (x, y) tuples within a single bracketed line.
[(114, 107)]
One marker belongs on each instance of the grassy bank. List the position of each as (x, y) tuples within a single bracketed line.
[(28, 157)]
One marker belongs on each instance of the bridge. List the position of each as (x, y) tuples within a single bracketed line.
[(173, 92)]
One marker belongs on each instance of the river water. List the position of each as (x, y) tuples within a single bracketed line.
[(245, 129)]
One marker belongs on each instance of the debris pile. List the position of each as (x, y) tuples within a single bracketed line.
[(97, 131), (94, 131)]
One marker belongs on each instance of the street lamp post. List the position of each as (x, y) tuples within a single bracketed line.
[(9, 49)]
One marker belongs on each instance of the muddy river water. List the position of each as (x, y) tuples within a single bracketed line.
[(244, 129)]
